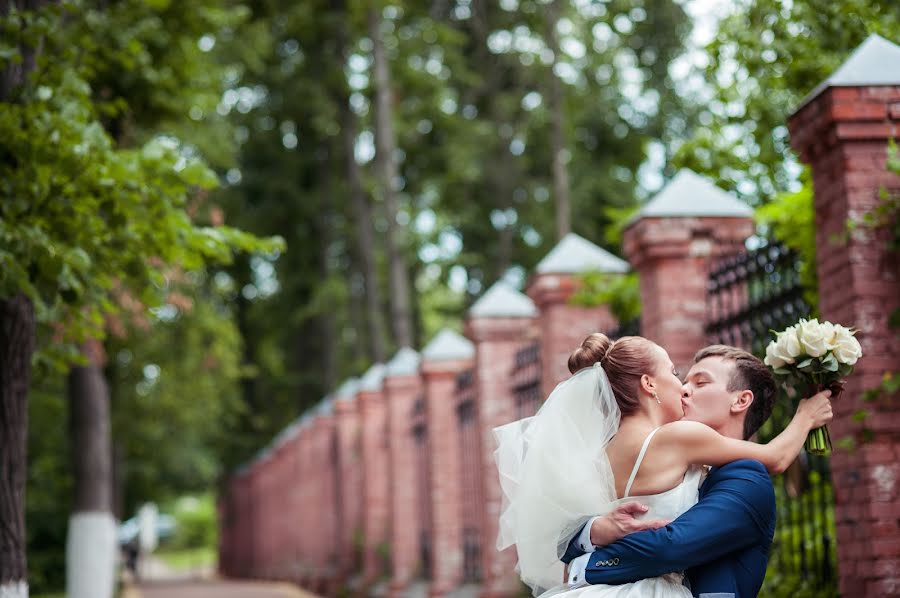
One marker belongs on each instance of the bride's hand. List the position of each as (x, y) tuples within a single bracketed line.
[(621, 522), (816, 410)]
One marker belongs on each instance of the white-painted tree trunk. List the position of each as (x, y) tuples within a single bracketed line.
[(90, 555), (14, 589)]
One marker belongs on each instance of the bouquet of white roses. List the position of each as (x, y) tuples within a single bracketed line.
[(811, 356)]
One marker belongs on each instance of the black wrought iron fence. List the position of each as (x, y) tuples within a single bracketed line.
[(748, 296), (526, 380), (470, 482), (420, 440), (629, 328)]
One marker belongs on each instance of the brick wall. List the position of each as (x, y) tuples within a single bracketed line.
[(673, 257), (497, 339), (401, 393), (843, 134), (563, 326)]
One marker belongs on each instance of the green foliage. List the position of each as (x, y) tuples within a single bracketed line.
[(174, 385), (767, 55), (195, 518), (49, 484), (790, 218), (804, 522), (621, 292), (80, 217), (102, 215)]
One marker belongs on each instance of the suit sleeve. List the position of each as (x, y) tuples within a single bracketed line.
[(574, 550), (735, 513)]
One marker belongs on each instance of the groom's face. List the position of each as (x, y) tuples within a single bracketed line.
[(706, 398)]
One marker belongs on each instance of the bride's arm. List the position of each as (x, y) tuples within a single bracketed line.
[(701, 445)]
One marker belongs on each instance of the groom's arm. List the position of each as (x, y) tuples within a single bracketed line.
[(736, 512), (604, 530)]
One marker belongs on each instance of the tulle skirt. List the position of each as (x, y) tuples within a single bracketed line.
[(666, 586)]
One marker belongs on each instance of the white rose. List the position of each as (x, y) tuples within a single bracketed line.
[(789, 344), (847, 349), (773, 358), (830, 332), (812, 338)]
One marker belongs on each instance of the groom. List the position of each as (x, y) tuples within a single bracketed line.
[(723, 541)]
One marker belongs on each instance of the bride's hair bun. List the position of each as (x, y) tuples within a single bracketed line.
[(592, 350), (624, 360)]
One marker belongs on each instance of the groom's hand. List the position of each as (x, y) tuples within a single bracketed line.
[(621, 522)]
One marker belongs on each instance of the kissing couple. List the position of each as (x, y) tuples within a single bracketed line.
[(629, 482)]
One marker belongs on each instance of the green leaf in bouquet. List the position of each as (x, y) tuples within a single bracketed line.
[(844, 369), (830, 366), (805, 363), (782, 371)]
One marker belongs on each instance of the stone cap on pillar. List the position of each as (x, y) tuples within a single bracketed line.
[(373, 379), (690, 217), (448, 345), (347, 391), (449, 349), (690, 195), (503, 301), (874, 63), (502, 313), (859, 101), (404, 363), (325, 406), (575, 254), (554, 282)]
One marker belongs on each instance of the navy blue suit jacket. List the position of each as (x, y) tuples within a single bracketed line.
[(722, 542)]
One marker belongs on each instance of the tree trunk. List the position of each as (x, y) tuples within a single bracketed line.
[(327, 319), (17, 344), (556, 102), (366, 241), (18, 340), (385, 146), (91, 545)]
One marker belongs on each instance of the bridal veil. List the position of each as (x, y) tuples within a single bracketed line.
[(554, 474)]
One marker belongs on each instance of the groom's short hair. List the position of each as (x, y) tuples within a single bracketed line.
[(749, 373)]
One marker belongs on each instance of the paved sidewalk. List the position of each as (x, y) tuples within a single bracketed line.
[(218, 589)]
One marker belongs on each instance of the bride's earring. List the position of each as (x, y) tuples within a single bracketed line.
[(655, 396)]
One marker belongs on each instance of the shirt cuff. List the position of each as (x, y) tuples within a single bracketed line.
[(584, 538), (577, 569)]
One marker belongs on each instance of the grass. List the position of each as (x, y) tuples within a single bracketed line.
[(187, 558)]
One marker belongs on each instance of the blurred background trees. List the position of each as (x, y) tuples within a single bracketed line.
[(410, 154)]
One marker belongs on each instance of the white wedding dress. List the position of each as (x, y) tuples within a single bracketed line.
[(666, 505), (555, 476)]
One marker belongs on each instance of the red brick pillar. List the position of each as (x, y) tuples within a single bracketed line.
[(375, 473), (563, 326), (842, 132), (318, 529), (499, 323), (672, 243), (327, 498), (243, 507), (346, 416), (443, 359), (278, 492), (304, 509), (402, 386)]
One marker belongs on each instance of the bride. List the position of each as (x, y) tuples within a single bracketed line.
[(612, 433)]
